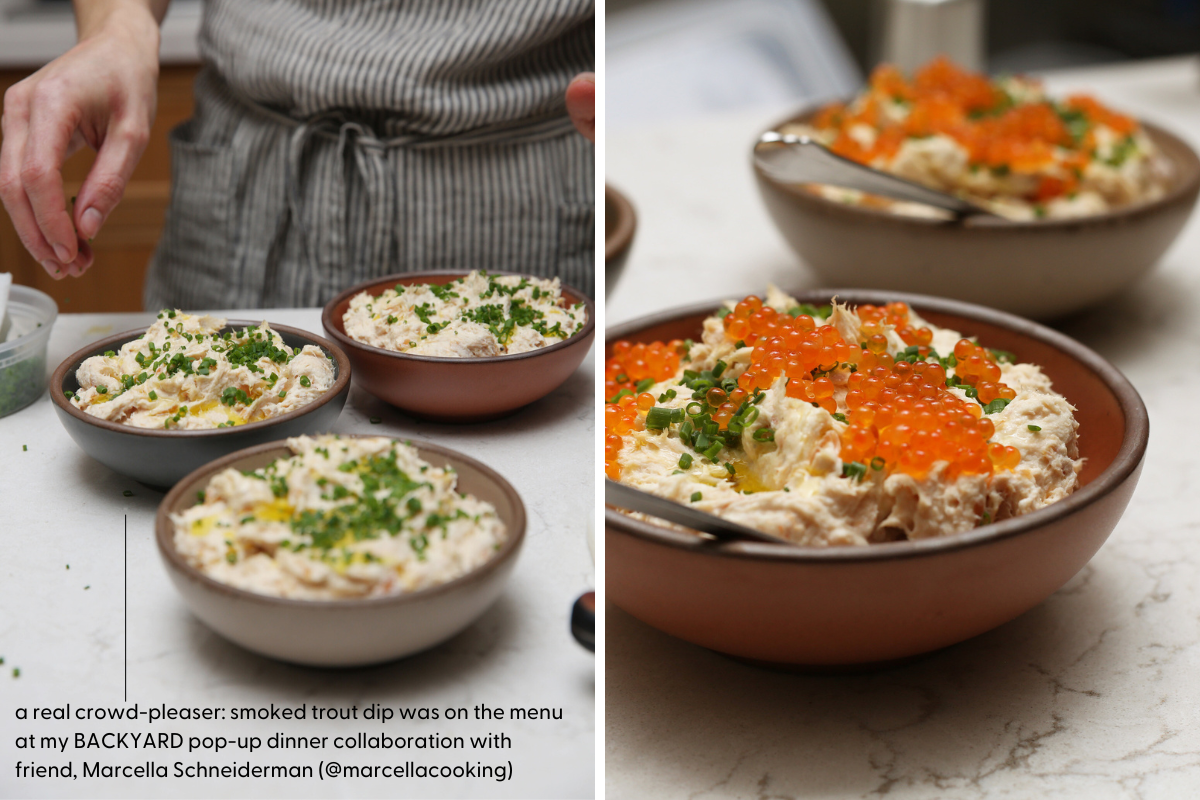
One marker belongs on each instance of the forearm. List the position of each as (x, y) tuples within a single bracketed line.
[(138, 18)]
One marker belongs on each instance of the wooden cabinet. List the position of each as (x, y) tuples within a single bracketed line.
[(127, 240)]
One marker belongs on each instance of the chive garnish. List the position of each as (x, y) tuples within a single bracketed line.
[(697, 497), (685, 461), (1034, 428)]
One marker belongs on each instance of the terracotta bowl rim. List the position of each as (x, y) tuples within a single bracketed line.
[(626, 226), (72, 362), (164, 534), (1185, 183), (1124, 464), (336, 329)]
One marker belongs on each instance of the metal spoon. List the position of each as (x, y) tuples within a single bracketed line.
[(618, 494), (801, 159)]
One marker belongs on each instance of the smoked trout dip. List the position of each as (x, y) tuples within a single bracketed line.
[(341, 518), (475, 316), (838, 426)]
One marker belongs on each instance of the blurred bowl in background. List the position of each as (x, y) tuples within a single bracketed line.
[(31, 315), (1041, 269), (620, 223)]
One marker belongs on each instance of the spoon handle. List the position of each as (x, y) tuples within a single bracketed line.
[(622, 496), (800, 159)]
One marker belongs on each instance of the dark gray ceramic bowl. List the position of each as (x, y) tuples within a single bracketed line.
[(160, 458)]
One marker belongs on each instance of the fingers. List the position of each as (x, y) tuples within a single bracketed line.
[(12, 191), (82, 262), (106, 182), (581, 104), (52, 123)]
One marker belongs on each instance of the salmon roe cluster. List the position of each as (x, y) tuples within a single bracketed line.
[(791, 346), (901, 417), (874, 319), (1030, 138), (977, 368), (631, 364), (622, 417)]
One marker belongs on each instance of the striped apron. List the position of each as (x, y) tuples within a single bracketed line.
[(335, 141)]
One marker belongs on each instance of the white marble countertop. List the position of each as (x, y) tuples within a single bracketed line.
[(32, 33), (62, 628), (1093, 694)]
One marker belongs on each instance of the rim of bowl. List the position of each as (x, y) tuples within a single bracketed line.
[(164, 531), (626, 225), (27, 296), (1124, 463), (73, 361), (336, 328), (1187, 181)]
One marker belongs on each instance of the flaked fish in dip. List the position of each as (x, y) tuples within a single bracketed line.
[(341, 518), (999, 143), (184, 373), (837, 425), (475, 316)]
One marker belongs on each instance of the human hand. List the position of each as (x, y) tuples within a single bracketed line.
[(100, 93), (581, 104)]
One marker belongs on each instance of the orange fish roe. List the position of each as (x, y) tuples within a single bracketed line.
[(904, 419), (633, 363), (997, 131), (900, 414), (791, 346), (620, 418), (895, 314)]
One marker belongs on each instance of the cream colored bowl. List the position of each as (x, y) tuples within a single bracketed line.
[(344, 633)]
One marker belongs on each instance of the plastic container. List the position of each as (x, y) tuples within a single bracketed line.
[(23, 356)]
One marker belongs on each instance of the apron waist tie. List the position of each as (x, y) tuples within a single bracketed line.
[(371, 154)]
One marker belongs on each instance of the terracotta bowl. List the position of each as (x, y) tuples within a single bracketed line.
[(344, 633), (457, 389), (620, 223), (1041, 269), (838, 606), (159, 458)]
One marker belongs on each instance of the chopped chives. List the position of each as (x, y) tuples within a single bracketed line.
[(697, 497), (764, 435)]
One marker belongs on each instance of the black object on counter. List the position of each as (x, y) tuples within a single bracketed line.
[(583, 620)]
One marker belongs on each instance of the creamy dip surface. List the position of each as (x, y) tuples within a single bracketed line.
[(183, 373), (474, 316), (342, 518), (999, 143), (824, 456)]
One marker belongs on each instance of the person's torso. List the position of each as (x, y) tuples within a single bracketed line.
[(432, 67)]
